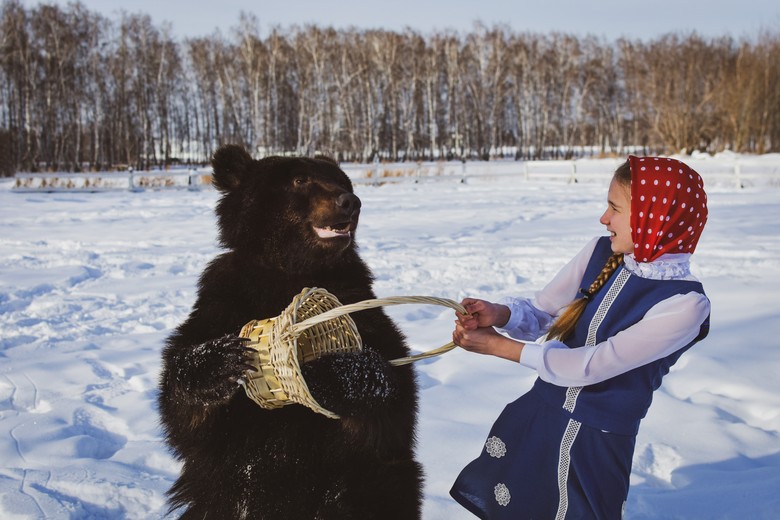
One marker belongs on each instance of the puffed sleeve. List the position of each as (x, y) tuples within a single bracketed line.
[(668, 326)]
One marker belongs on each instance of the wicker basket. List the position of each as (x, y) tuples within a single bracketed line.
[(313, 325)]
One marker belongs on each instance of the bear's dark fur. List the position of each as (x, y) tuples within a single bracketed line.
[(287, 223)]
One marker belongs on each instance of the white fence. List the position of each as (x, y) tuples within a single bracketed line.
[(112, 181), (741, 172)]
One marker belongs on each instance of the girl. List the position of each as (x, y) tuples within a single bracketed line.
[(616, 317)]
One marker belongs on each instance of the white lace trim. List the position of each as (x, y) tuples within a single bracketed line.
[(495, 447), (564, 463), (671, 266), (502, 494)]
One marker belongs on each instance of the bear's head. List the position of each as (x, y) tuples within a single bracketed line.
[(294, 213)]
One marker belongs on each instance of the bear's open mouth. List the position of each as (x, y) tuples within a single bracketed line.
[(342, 229)]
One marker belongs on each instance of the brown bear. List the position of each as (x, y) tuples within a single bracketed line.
[(287, 223)]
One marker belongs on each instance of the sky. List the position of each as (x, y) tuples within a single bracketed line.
[(610, 19)]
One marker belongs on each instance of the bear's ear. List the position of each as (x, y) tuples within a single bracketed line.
[(230, 163)]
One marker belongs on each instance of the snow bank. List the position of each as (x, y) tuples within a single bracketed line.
[(91, 284)]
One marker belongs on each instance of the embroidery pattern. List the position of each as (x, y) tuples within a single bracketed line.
[(603, 309), (502, 494), (573, 428), (495, 447), (564, 460), (571, 398)]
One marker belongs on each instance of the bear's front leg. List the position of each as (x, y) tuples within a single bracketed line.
[(350, 384), (208, 373)]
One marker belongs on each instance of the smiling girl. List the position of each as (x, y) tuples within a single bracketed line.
[(616, 318)]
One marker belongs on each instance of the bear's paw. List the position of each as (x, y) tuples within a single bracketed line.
[(211, 372), (350, 384)]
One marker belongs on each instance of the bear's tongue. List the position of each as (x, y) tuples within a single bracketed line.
[(329, 232)]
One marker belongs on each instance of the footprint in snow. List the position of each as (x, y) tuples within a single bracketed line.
[(92, 439)]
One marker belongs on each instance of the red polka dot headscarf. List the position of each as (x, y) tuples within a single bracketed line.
[(668, 207)]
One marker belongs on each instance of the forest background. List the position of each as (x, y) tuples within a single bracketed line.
[(82, 92)]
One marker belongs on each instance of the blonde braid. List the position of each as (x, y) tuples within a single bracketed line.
[(564, 325)]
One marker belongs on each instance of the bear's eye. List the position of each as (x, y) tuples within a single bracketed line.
[(300, 181)]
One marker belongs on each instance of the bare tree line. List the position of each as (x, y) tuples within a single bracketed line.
[(79, 91)]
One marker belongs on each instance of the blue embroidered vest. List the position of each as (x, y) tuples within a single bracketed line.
[(618, 404)]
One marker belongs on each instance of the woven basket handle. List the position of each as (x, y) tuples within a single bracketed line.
[(297, 328)]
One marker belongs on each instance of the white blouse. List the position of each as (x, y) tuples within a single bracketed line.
[(668, 326)]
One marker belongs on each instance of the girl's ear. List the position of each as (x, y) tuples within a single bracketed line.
[(230, 163)]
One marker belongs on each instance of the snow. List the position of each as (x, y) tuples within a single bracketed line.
[(91, 284)]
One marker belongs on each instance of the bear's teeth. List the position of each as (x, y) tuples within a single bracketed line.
[(329, 232)]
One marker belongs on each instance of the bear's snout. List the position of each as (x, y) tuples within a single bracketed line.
[(336, 216), (349, 203)]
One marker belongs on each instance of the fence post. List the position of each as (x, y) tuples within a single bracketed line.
[(738, 174)]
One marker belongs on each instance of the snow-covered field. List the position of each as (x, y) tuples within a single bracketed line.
[(91, 284)]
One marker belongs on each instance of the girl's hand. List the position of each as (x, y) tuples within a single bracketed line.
[(482, 313), (485, 340)]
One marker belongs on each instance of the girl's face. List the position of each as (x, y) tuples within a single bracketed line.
[(617, 218)]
